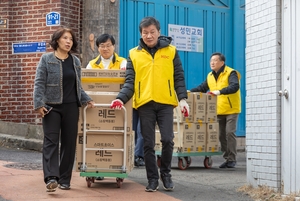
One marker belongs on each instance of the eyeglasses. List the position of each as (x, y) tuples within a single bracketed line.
[(105, 46)]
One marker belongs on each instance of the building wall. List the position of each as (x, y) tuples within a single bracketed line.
[(263, 81), (98, 17), (27, 23)]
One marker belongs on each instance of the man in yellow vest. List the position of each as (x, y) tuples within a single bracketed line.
[(223, 82), (107, 59), (155, 79)]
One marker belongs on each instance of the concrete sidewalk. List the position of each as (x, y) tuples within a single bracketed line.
[(27, 185)]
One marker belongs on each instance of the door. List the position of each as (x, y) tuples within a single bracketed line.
[(223, 22), (290, 98)]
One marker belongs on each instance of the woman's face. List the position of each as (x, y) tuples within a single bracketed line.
[(65, 42), (106, 49)]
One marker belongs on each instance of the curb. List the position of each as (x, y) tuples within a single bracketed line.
[(37, 145), (21, 142)]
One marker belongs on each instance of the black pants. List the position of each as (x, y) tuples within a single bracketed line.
[(60, 125), (162, 114)]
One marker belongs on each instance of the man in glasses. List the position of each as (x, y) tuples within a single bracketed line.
[(107, 58)]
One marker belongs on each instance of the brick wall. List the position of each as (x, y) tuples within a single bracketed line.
[(263, 70), (26, 23)]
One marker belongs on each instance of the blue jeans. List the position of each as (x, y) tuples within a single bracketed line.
[(162, 114), (139, 142)]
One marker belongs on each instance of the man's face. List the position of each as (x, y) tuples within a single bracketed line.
[(150, 35), (106, 49), (216, 63)]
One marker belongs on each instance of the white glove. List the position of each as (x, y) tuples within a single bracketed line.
[(216, 93), (116, 104), (184, 107)]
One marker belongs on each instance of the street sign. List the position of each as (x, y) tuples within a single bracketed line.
[(53, 19), (28, 47)]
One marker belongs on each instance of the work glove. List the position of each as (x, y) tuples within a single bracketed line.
[(184, 107), (215, 93), (116, 104)]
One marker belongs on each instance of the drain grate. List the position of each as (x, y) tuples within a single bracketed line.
[(25, 166)]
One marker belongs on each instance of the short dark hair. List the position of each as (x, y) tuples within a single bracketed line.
[(221, 56), (147, 21), (103, 38), (58, 33)]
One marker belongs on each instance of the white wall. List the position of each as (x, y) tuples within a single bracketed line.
[(263, 81)]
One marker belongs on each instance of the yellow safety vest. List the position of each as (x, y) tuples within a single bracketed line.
[(154, 77), (114, 64), (226, 104)]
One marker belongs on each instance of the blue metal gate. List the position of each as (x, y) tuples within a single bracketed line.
[(223, 23)]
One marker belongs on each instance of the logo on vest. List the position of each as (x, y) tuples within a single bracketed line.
[(164, 56)]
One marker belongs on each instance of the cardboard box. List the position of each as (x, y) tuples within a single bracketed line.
[(199, 107), (102, 80), (200, 137), (211, 108), (104, 118), (184, 138), (190, 102), (157, 146), (102, 160), (212, 142), (104, 140)]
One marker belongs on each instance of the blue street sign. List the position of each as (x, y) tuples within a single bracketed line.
[(28, 47), (53, 19)]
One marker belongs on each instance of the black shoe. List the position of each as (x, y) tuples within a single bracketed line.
[(64, 187), (223, 165), (152, 186), (231, 164), (51, 185), (167, 182), (139, 162)]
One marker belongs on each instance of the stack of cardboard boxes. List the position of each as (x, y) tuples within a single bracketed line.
[(199, 132), (105, 126)]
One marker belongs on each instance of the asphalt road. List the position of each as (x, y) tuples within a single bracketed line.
[(196, 183)]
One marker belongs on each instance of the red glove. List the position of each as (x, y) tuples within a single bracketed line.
[(116, 104), (184, 107)]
